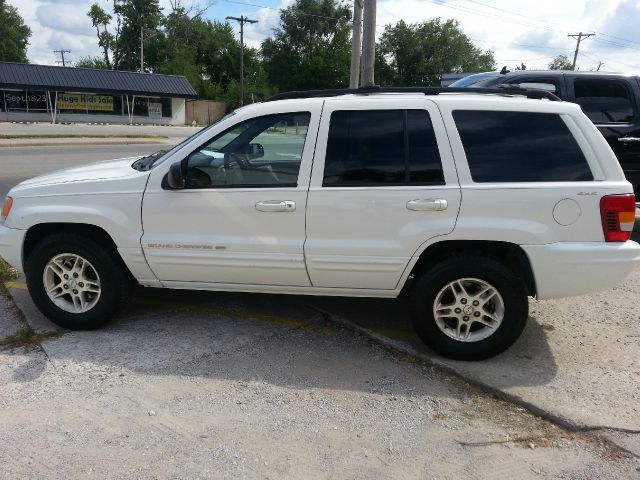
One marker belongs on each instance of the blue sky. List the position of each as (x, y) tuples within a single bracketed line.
[(517, 31)]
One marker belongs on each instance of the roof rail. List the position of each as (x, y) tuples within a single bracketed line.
[(335, 92)]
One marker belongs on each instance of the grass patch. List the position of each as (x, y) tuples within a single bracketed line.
[(28, 337), (72, 135), (7, 274)]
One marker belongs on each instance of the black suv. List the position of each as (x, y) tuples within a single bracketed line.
[(610, 100)]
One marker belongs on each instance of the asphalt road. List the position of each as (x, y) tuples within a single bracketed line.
[(19, 163)]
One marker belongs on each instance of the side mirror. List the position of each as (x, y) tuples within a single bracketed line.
[(175, 179), (255, 150)]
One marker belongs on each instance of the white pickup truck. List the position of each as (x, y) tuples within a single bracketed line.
[(472, 201)]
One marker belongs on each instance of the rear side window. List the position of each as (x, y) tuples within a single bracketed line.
[(381, 147), (604, 101), (520, 147)]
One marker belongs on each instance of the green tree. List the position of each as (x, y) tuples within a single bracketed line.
[(311, 48), (121, 48), (14, 35), (133, 17), (91, 62), (561, 62), (418, 54), (100, 20)]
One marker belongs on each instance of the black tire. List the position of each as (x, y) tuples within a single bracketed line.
[(514, 304), (115, 282)]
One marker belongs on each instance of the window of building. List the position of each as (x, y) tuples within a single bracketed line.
[(520, 147), (381, 147), (166, 107), (141, 106), (261, 152), (604, 101), (16, 100), (37, 101)]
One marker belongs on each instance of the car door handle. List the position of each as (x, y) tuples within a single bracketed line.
[(629, 139), (434, 205), (276, 206)]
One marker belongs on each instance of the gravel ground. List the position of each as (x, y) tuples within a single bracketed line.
[(165, 394)]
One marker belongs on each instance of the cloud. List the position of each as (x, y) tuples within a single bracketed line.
[(65, 17), (620, 26)]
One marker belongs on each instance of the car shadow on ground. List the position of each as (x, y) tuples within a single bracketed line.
[(282, 339)]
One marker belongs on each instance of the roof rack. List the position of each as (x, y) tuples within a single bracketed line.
[(335, 92)]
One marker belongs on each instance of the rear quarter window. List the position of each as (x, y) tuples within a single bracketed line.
[(520, 147)]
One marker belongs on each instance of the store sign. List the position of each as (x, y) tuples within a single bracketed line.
[(155, 109), (77, 101)]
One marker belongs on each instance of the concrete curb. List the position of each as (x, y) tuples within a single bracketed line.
[(402, 348)]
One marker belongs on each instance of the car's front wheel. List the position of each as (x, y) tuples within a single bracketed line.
[(469, 308), (75, 281)]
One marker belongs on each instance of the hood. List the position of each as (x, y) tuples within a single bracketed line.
[(100, 177), (105, 170)]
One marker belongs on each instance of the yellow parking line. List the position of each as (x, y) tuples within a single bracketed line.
[(271, 319)]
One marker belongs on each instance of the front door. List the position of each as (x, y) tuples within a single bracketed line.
[(383, 184), (241, 217)]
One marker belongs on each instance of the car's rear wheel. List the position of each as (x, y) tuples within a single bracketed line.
[(469, 308), (76, 282)]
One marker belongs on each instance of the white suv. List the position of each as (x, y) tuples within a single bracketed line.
[(472, 201)]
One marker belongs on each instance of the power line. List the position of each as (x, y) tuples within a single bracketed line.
[(547, 21), (278, 9), (538, 24)]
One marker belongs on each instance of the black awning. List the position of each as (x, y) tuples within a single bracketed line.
[(88, 80)]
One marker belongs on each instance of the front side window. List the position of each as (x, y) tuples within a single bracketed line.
[(604, 101), (381, 147), (261, 152), (520, 147)]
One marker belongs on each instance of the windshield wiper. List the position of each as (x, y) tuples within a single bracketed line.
[(146, 163)]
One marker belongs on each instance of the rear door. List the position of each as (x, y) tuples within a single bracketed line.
[(383, 183), (611, 103)]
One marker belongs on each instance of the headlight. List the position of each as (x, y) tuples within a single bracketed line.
[(6, 208)]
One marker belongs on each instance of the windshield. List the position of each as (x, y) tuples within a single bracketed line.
[(150, 161), (477, 80)]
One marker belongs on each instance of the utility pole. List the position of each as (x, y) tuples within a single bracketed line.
[(368, 43), (242, 20), (578, 37), (356, 43), (141, 48), (62, 52)]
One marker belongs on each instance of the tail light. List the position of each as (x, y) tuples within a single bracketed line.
[(618, 212), (6, 208)]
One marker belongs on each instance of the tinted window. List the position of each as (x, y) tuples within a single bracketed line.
[(261, 152), (381, 147), (520, 147), (425, 166), (604, 101)]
